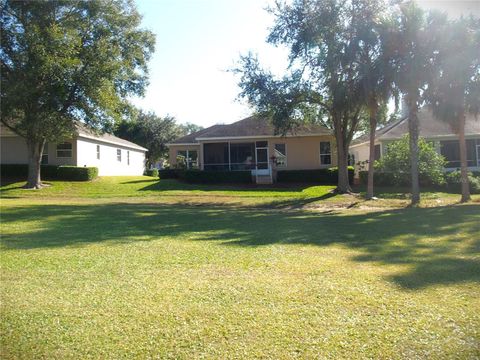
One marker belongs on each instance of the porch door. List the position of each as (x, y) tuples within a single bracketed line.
[(261, 148)]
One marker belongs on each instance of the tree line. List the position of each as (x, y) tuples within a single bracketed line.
[(349, 58)]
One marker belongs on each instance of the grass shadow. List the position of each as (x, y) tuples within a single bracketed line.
[(440, 245)]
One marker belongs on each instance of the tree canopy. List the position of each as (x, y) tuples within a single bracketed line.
[(152, 132), (67, 61)]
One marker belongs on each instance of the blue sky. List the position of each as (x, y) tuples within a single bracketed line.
[(197, 41)]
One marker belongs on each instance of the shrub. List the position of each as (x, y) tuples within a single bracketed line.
[(47, 172), (77, 173), (396, 161), (216, 177), (319, 176), (14, 170), (379, 178), (151, 172), (168, 174), (454, 182)]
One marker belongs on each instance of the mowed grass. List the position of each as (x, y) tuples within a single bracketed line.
[(171, 277)]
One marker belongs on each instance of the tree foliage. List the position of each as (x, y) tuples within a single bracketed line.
[(454, 92), (151, 132), (326, 40), (67, 61)]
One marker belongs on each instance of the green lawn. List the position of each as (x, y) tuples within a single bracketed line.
[(133, 267)]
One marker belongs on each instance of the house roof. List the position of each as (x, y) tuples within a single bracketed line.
[(87, 132), (429, 126), (253, 126)]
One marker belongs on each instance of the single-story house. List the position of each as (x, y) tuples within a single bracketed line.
[(432, 129), (111, 155), (252, 144)]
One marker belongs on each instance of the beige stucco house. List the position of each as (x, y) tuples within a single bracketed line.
[(111, 155), (432, 129), (252, 144)]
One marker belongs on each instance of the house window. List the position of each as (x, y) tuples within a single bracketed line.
[(280, 153), (378, 154), (119, 155), (128, 157), (187, 158), (64, 150), (98, 152), (45, 155), (325, 153), (351, 159)]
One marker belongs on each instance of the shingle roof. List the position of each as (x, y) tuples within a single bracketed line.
[(252, 126), (85, 131), (190, 138), (429, 125)]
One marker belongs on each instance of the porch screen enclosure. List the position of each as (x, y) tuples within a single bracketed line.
[(226, 156)]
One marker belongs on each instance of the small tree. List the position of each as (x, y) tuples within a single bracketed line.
[(455, 91), (67, 61), (411, 43), (152, 132), (397, 162)]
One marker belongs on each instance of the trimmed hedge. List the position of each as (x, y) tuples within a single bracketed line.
[(51, 172), (319, 176), (77, 173), (169, 173), (151, 172), (216, 177), (48, 172)]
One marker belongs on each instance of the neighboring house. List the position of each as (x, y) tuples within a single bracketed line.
[(111, 155), (432, 129), (252, 144)]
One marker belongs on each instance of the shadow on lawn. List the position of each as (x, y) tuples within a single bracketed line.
[(405, 236), (173, 184)]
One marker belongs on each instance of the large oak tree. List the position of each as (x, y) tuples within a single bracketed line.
[(68, 61), (324, 38)]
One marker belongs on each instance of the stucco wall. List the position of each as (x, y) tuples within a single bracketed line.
[(84, 153), (14, 151), (303, 153), (108, 165)]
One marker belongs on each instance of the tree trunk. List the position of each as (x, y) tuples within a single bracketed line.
[(371, 158), (343, 185), (413, 136), (463, 159), (35, 150)]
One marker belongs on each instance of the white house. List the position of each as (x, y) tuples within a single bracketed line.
[(432, 129), (111, 155)]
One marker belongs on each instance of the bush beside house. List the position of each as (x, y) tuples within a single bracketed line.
[(151, 172), (51, 172)]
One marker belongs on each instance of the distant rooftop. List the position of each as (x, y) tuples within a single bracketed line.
[(429, 125)]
